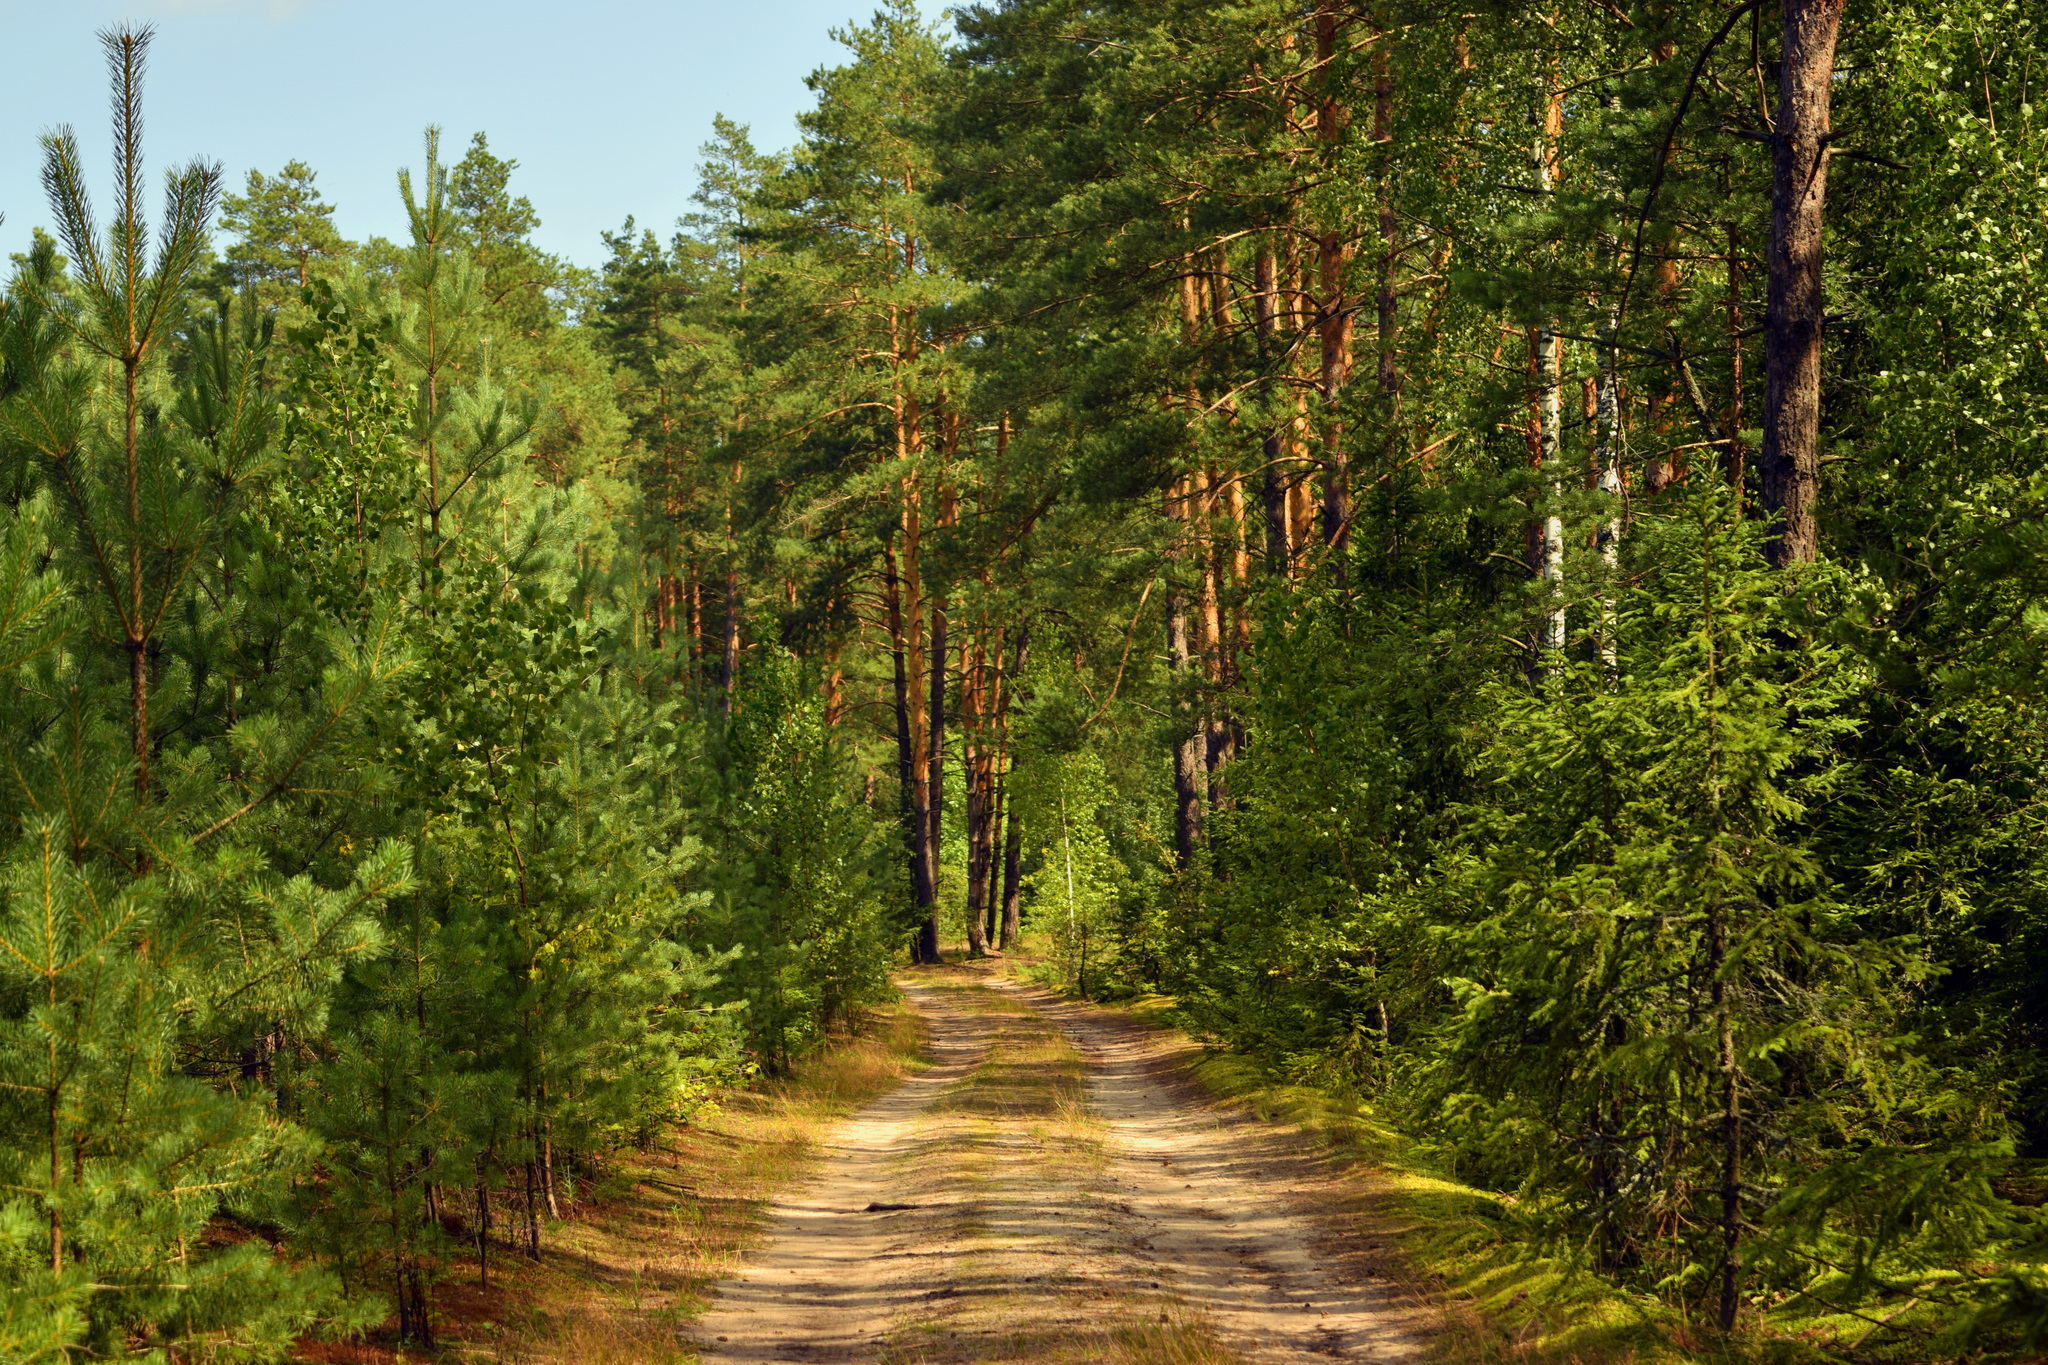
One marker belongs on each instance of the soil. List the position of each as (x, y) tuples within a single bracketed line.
[(1055, 1188)]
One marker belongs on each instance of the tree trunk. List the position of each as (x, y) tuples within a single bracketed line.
[(936, 755), (696, 619), (1731, 1124), (1189, 775), (1737, 456), (1386, 305), (999, 814), (137, 638), (1532, 445), (1013, 886), (1789, 464), (483, 1222), (1210, 642), (1553, 523), (1013, 835), (547, 1162), (532, 1210), (1334, 313), (1607, 465), (729, 663), (1273, 483), (1548, 357), (909, 736), (974, 771)]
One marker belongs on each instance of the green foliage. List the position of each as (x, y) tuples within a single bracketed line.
[(796, 894), (507, 706), (287, 234), (1077, 889)]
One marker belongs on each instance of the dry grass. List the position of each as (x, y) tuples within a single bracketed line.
[(632, 1266), (1388, 1215)]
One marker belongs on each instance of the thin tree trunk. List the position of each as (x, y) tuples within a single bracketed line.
[(1209, 640), (1737, 457), (1789, 464), (729, 662), (1013, 836), (547, 1160), (1013, 886), (483, 1223), (138, 645), (917, 701), (1731, 1127), (1553, 523), (999, 797), (1607, 464), (936, 752), (1334, 320), (1189, 769), (696, 619), (1385, 303), (974, 771), (1548, 375), (1273, 483), (1532, 445), (56, 1154), (910, 807), (1660, 470), (532, 1211), (1301, 498)]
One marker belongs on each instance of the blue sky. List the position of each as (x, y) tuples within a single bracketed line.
[(603, 103)]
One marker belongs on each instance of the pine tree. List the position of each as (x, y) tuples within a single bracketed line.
[(287, 233), (130, 306)]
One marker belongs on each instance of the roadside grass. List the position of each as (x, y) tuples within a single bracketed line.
[(1457, 1245), (632, 1266), (1452, 1245), (1504, 1301), (1473, 1253)]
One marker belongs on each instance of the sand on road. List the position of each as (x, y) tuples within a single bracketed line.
[(1054, 1189)]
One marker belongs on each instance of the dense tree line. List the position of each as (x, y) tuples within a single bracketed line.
[(371, 877), (1495, 554)]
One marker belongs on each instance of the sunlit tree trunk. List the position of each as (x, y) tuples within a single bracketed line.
[(1189, 769), (1789, 464), (975, 779), (1273, 472), (1548, 367), (1013, 835), (1333, 254)]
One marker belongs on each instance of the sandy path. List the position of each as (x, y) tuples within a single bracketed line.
[(1219, 1203), (1178, 1212), (835, 1274)]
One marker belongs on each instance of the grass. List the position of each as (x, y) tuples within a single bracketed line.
[(1455, 1245), (1467, 1249), (1502, 1301), (634, 1263)]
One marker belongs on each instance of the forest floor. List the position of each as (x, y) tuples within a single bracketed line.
[(634, 1262)]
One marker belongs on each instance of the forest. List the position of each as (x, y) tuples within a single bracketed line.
[(1497, 555)]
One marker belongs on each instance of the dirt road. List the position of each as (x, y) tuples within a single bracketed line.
[(1052, 1189)]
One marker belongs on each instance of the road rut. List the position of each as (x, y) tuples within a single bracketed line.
[(1053, 1189)]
